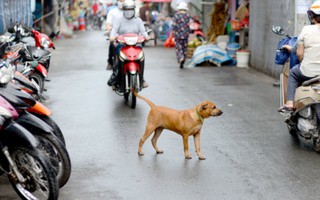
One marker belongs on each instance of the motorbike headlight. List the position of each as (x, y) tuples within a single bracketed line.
[(316, 88), (6, 72), (306, 113), (131, 40), (45, 43)]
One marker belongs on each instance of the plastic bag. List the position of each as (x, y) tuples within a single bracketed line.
[(170, 42), (283, 55)]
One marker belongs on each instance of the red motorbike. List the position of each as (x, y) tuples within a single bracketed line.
[(195, 28), (130, 61)]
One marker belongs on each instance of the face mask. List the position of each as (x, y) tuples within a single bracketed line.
[(120, 4), (128, 14)]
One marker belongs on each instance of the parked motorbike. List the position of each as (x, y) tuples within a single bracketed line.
[(39, 44), (28, 169), (26, 63), (49, 143), (304, 121), (130, 63), (195, 28), (34, 106)]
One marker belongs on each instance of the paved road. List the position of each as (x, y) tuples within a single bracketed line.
[(249, 153)]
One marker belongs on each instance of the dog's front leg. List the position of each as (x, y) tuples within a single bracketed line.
[(196, 138), (186, 147)]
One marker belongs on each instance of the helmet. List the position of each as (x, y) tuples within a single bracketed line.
[(314, 11), (129, 4), (128, 9)]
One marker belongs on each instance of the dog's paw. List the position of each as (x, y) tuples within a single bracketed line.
[(140, 154), (202, 157), (160, 152), (188, 157)]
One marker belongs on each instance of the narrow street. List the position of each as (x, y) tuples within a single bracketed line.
[(250, 154)]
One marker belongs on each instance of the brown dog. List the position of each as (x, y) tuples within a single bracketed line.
[(186, 123)]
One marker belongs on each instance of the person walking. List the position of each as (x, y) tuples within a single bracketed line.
[(144, 13), (112, 16), (180, 31)]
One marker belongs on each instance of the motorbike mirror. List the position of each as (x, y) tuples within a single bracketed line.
[(22, 52), (278, 30)]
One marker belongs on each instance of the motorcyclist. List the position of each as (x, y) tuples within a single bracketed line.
[(128, 23), (308, 52), (112, 16)]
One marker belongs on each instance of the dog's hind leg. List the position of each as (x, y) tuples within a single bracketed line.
[(149, 130), (154, 139)]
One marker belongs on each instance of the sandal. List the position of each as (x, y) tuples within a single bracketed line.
[(286, 109)]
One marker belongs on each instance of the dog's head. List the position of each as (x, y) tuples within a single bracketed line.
[(208, 109)]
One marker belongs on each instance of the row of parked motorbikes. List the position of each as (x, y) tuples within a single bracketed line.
[(33, 149)]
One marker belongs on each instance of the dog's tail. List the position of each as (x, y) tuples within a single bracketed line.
[(143, 98)]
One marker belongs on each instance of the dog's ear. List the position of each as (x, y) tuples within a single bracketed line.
[(204, 106)]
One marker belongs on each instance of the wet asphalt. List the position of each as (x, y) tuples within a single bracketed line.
[(250, 154)]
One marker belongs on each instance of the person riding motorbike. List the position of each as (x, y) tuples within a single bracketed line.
[(112, 16), (128, 23), (308, 52)]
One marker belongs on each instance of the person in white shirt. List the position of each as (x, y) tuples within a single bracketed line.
[(112, 17), (308, 52)]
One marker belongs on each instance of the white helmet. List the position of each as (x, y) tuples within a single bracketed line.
[(129, 4), (314, 10), (128, 9)]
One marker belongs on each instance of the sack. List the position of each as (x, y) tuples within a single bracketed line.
[(283, 55)]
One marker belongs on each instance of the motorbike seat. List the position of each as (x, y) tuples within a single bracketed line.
[(308, 82)]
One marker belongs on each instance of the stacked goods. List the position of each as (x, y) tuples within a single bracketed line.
[(192, 45)]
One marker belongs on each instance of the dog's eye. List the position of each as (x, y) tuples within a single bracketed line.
[(213, 107)]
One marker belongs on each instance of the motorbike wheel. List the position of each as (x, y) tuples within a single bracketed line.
[(40, 180), (58, 155), (37, 78), (56, 129), (129, 97)]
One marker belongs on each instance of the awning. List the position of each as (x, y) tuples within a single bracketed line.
[(156, 1)]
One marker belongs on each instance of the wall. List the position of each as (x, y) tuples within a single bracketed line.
[(12, 11), (262, 41)]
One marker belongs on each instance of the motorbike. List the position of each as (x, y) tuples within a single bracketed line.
[(38, 44), (26, 62), (195, 28), (49, 143), (29, 171), (304, 121), (130, 64)]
